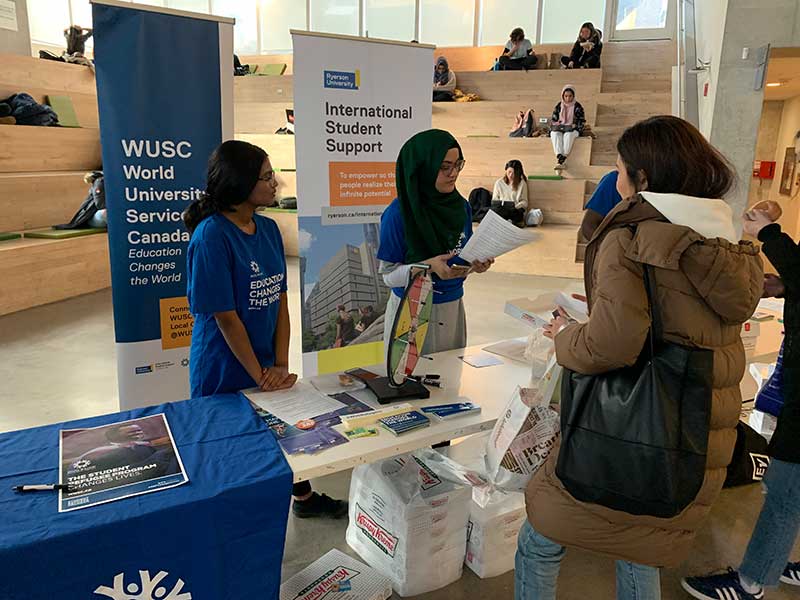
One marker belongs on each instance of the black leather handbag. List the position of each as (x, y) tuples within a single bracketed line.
[(635, 439)]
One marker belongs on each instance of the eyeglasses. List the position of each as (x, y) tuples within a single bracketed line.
[(448, 168), (268, 177)]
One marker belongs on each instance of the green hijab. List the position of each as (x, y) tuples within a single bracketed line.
[(433, 221)]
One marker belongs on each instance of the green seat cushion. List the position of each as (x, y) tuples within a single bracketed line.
[(62, 234), (63, 107), (10, 235)]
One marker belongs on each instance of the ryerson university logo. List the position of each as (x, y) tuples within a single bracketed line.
[(342, 80), (146, 589)]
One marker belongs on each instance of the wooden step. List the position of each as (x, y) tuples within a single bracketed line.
[(259, 117), (552, 254), (35, 272), (279, 147), (263, 89), (21, 73), (530, 86), (496, 117), (29, 148), (487, 156), (35, 200)]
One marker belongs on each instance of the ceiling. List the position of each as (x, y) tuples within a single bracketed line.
[(784, 68)]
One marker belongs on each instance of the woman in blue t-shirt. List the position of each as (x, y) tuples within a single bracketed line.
[(237, 290), (429, 222)]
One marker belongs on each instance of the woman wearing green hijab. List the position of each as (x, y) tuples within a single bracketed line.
[(429, 222)]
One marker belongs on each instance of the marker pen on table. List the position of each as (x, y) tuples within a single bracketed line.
[(47, 487)]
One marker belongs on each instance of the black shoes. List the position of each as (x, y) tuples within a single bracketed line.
[(319, 506)]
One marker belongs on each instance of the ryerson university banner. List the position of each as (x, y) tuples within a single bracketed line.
[(357, 100), (165, 96)]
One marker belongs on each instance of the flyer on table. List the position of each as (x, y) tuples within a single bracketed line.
[(116, 461), (350, 128)]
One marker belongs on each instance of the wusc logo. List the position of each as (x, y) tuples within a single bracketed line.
[(146, 589), (255, 267)]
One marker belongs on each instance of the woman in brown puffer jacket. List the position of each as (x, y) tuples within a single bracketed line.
[(707, 285)]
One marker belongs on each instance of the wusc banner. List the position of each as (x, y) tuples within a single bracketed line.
[(353, 116), (165, 97)]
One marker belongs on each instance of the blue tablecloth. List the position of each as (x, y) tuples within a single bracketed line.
[(222, 533)]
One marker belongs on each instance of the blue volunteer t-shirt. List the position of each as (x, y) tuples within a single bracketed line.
[(393, 249), (605, 196), (229, 269)]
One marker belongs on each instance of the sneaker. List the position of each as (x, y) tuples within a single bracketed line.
[(791, 574), (719, 587), (319, 506)]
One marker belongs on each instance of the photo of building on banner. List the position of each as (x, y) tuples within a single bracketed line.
[(347, 142)]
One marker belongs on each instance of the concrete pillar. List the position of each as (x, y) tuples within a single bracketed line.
[(737, 106)]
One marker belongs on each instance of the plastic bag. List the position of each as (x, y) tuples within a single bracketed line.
[(408, 519), (525, 433)]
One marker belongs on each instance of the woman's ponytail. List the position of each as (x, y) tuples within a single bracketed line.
[(197, 211)]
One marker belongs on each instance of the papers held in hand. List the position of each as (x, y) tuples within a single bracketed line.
[(494, 237)]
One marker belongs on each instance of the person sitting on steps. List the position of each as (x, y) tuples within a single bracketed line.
[(567, 124), (444, 81), (586, 51), (510, 195), (518, 53)]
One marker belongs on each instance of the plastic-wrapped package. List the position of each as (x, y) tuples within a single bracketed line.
[(494, 523), (408, 519)]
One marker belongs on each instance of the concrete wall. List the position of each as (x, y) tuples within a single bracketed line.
[(789, 126), (737, 106), (766, 148), (17, 42), (709, 28)]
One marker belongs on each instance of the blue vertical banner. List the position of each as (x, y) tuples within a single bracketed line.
[(165, 97)]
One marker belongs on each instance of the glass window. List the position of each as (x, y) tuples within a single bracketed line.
[(245, 33), (499, 17), (391, 19), (82, 13), (641, 14), (561, 21), (335, 16), (447, 22), (48, 20), (277, 18)]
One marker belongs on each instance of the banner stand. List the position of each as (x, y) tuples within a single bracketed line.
[(165, 100), (356, 101)]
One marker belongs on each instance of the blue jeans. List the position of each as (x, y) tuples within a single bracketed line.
[(777, 526), (538, 561)]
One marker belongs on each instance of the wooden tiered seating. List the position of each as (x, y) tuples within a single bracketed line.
[(41, 184), (633, 84)]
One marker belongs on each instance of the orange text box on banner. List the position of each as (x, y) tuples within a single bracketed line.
[(361, 183), (176, 323)]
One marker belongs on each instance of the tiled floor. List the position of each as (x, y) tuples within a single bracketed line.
[(58, 364)]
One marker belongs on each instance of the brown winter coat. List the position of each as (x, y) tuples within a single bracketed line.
[(706, 289)]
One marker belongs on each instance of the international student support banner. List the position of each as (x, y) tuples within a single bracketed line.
[(356, 102), (165, 98)]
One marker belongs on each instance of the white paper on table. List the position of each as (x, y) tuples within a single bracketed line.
[(481, 360), (494, 237), (513, 349), (302, 401), (577, 309), (771, 304)]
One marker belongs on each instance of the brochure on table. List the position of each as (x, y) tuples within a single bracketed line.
[(116, 461)]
